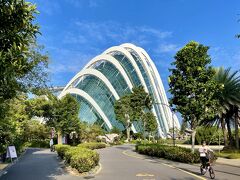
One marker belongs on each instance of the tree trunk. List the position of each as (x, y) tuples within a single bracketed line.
[(193, 139), (236, 129), (229, 133), (128, 134), (59, 137), (144, 130), (128, 128), (224, 131)]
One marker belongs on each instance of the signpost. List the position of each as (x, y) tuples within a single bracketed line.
[(11, 152)]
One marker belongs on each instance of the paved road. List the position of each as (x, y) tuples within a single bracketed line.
[(37, 164), (118, 162)]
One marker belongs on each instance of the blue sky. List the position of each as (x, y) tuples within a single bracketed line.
[(74, 31)]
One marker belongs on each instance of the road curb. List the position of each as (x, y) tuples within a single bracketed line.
[(219, 163)]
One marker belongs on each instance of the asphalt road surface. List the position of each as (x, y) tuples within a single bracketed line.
[(117, 163)]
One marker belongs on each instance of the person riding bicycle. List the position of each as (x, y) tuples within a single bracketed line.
[(203, 150)]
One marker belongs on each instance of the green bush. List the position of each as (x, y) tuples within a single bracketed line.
[(80, 158), (61, 150), (92, 145), (168, 152)]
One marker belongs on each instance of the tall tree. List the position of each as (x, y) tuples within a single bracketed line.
[(192, 85), (151, 123), (21, 61), (133, 107), (141, 103), (124, 112), (62, 114)]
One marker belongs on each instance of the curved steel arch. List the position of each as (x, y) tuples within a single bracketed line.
[(91, 101), (134, 64), (112, 60), (132, 61), (160, 85), (99, 75), (146, 67)]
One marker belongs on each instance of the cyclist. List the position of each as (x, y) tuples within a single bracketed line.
[(203, 150)]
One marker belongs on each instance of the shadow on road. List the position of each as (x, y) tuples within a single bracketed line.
[(38, 164)]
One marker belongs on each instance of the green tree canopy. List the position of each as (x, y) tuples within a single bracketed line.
[(21, 61), (192, 85), (62, 114), (151, 122), (133, 107)]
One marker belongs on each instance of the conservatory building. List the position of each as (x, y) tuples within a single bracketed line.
[(112, 74)]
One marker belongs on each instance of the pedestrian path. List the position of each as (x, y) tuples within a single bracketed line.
[(37, 164)]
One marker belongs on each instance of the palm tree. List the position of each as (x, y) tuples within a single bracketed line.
[(228, 96)]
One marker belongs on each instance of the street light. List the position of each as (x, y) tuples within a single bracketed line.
[(172, 111)]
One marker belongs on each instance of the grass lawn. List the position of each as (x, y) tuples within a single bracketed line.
[(229, 155)]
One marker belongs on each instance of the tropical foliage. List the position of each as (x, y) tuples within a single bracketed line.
[(135, 106), (23, 66), (62, 114), (228, 97), (18, 128), (22, 61), (192, 85)]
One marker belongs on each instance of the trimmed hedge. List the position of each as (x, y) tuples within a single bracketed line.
[(80, 158), (169, 152), (62, 149), (93, 145)]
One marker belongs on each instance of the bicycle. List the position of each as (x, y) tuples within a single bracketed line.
[(209, 166)]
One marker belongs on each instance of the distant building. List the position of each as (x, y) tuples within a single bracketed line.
[(113, 74), (56, 90)]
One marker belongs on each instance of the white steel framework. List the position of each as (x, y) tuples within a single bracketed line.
[(137, 67)]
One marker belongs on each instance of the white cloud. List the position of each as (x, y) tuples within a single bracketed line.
[(84, 3), (68, 61), (48, 7), (117, 33), (82, 40), (165, 48)]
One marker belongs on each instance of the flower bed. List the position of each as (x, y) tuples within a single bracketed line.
[(173, 153)]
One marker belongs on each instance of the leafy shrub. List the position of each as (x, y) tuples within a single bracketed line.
[(61, 150), (80, 158), (169, 152), (92, 145), (209, 134)]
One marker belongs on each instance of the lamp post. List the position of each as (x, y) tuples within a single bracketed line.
[(172, 111)]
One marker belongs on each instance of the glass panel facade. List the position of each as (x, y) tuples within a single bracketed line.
[(113, 75), (101, 94), (88, 113), (128, 67), (149, 86)]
